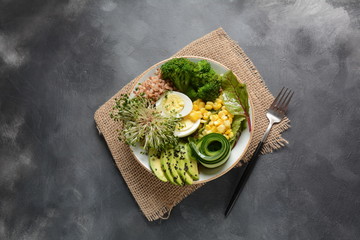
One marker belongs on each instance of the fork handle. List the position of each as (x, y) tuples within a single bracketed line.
[(245, 176), (248, 169)]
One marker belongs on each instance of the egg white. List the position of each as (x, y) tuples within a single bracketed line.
[(187, 131)]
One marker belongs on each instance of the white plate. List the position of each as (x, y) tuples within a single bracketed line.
[(237, 152)]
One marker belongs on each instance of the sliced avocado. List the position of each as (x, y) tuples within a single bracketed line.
[(183, 174), (155, 165), (174, 162), (191, 164), (165, 165), (181, 167)]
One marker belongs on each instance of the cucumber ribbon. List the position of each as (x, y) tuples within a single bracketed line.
[(211, 150)]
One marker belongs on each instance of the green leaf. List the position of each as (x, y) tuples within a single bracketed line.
[(235, 96), (242, 126), (237, 127), (237, 122), (231, 103)]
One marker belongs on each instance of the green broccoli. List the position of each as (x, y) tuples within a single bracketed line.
[(202, 66), (191, 93), (206, 81), (210, 91), (179, 71), (202, 74), (196, 80)]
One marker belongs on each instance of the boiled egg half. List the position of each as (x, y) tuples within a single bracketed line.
[(186, 127), (179, 105)]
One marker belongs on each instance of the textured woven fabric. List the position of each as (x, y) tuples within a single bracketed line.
[(156, 198)]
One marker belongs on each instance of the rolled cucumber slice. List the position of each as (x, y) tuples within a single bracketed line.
[(212, 150)]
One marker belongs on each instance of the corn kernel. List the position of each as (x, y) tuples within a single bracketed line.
[(219, 100), (227, 131), (195, 107), (221, 128), (217, 122), (231, 134), (201, 104), (208, 107), (217, 106), (227, 137), (194, 116), (213, 117), (224, 117), (227, 124), (209, 103), (203, 110), (221, 114)]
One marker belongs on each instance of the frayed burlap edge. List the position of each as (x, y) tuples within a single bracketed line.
[(155, 198)]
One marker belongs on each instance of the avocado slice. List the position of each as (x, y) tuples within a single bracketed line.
[(191, 164), (181, 166), (155, 165), (165, 165), (174, 166)]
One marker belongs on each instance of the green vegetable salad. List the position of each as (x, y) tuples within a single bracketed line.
[(205, 115)]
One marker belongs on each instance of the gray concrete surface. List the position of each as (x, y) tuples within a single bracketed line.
[(60, 60)]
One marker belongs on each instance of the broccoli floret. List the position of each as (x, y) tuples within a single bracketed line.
[(191, 93), (196, 80), (203, 73), (179, 71), (210, 91), (202, 66), (206, 81)]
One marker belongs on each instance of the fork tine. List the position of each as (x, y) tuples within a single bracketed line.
[(277, 98), (278, 105), (288, 101), (282, 104)]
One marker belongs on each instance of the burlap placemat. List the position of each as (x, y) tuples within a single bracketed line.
[(156, 198)]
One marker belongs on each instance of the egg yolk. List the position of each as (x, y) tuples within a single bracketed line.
[(173, 103)]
